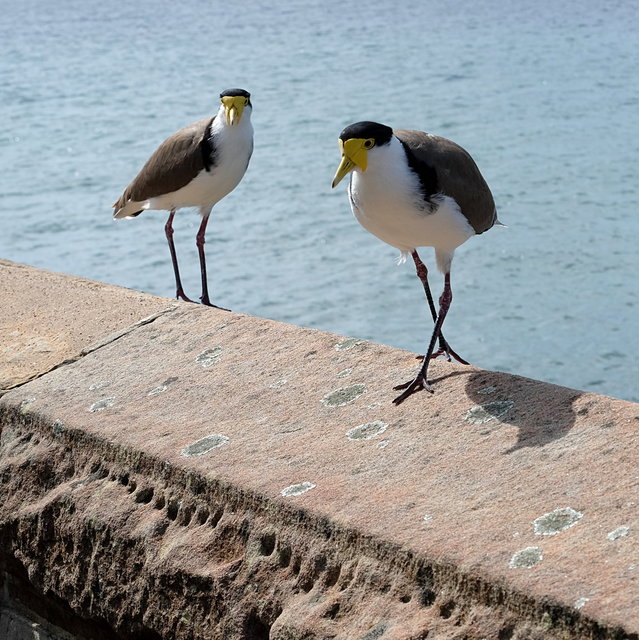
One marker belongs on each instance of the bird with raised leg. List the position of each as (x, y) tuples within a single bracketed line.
[(195, 167), (413, 189)]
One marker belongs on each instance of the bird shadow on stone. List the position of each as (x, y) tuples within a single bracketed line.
[(542, 412)]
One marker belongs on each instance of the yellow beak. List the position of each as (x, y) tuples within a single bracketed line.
[(233, 106), (354, 154)]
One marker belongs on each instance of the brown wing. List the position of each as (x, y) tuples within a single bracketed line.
[(172, 166), (455, 173)]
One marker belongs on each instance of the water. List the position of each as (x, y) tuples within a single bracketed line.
[(544, 95)]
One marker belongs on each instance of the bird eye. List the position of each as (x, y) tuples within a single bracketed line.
[(369, 143), (245, 101)]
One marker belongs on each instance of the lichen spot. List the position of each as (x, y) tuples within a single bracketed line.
[(161, 388), (619, 532), (100, 405), (209, 357), (96, 386), (26, 404), (204, 445), (58, 428), (486, 391), (366, 431), (297, 489), (348, 344), (579, 604), (526, 558), (154, 392), (556, 521), (344, 373), (343, 395), (278, 383), (490, 411)]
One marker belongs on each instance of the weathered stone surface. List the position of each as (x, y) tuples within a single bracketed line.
[(213, 475), (50, 317)]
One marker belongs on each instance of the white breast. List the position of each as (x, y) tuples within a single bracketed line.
[(233, 149), (386, 201)]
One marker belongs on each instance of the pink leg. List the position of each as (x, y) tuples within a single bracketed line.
[(444, 347), (199, 241), (168, 230), (420, 381)]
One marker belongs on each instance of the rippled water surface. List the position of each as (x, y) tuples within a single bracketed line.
[(544, 95)]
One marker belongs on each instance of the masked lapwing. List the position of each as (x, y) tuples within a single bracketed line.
[(195, 167), (413, 189)]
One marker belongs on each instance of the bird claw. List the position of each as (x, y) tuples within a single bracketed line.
[(449, 353), (411, 387), (441, 352), (457, 357), (207, 303), (180, 295)]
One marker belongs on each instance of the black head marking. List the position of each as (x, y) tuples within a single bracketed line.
[(232, 93), (379, 132)]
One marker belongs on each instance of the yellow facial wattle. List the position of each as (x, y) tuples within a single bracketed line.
[(354, 154), (234, 106)]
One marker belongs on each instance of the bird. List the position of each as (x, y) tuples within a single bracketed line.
[(414, 189), (194, 167)]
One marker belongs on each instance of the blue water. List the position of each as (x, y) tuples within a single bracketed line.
[(544, 95)]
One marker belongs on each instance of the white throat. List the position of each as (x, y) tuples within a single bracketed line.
[(242, 128), (387, 201), (232, 149)]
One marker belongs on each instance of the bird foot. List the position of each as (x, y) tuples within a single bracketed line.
[(449, 353), (180, 295), (207, 303), (445, 351), (411, 387)]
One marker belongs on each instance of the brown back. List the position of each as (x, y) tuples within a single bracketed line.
[(457, 175), (172, 166)]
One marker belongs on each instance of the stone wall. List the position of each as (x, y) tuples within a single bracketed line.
[(14, 625), (169, 471)]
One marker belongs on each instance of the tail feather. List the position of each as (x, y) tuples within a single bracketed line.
[(129, 210)]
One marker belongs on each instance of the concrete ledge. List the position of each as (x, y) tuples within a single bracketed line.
[(206, 474), (48, 318)]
